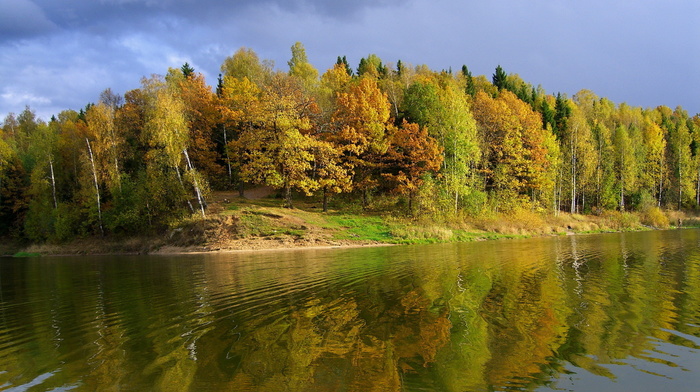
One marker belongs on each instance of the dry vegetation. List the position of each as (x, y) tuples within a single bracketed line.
[(259, 221)]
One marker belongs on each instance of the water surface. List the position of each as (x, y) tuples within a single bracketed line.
[(613, 312)]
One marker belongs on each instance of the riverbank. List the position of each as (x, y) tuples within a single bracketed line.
[(262, 224)]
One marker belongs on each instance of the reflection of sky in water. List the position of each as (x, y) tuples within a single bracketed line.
[(668, 367)]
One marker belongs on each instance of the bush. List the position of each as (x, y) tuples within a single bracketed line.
[(67, 225), (654, 217), (618, 220)]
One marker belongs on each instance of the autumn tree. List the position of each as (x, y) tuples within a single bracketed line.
[(372, 66), (333, 82), (681, 189), (625, 163), (107, 143), (242, 112), (441, 106), (278, 151), (577, 148), (202, 114), (515, 157), (654, 142), (361, 118), (246, 63), (343, 61), (299, 67), (168, 132), (329, 170), (411, 155)]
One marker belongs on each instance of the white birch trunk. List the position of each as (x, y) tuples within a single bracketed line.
[(228, 159), (97, 187), (179, 178), (53, 183), (200, 199)]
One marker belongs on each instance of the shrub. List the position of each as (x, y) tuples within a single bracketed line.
[(654, 217), (618, 220)]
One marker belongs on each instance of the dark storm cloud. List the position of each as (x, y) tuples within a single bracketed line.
[(60, 54), (78, 14), (23, 18)]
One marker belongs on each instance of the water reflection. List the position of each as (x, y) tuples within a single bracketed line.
[(612, 312)]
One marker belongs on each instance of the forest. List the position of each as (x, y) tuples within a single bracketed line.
[(419, 142)]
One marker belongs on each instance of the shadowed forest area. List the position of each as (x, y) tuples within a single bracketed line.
[(446, 146)]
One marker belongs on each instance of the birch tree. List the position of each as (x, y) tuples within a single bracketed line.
[(168, 131)]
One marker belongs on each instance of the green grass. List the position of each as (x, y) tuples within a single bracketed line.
[(358, 227), (26, 254)]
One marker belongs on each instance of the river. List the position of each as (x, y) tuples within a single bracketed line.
[(608, 312)]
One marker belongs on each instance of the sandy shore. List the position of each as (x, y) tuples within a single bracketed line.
[(155, 246), (174, 250)]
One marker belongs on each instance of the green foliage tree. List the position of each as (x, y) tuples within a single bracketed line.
[(246, 63), (443, 109), (300, 67)]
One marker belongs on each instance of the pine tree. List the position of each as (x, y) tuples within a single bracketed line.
[(470, 88), (187, 70), (344, 62), (500, 78)]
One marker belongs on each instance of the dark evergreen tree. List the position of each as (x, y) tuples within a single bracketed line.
[(344, 62), (547, 114), (219, 86), (562, 112), (187, 70), (13, 198), (500, 78), (470, 88)]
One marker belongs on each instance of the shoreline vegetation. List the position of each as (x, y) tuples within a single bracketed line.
[(381, 154), (243, 225)]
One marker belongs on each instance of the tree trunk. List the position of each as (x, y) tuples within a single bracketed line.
[(288, 195), (97, 187), (325, 200), (182, 185), (622, 194), (228, 159), (661, 185), (116, 167), (200, 198), (697, 191), (573, 178), (680, 178), (53, 184)]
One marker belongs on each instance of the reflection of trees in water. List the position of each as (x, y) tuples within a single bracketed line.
[(478, 317)]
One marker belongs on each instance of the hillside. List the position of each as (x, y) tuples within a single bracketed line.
[(259, 221)]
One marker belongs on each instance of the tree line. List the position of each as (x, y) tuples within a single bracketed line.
[(444, 144)]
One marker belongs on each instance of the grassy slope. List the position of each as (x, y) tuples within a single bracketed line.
[(237, 223)]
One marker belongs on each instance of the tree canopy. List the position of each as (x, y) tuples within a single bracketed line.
[(422, 141)]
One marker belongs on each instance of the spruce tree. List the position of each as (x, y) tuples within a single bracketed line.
[(470, 89), (187, 70), (500, 78)]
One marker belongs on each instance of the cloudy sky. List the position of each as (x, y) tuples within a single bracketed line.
[(57, 55)]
